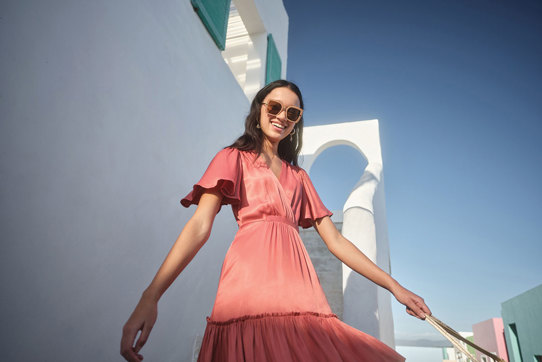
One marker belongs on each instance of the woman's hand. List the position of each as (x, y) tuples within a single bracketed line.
[(142, 319), (415, 306)]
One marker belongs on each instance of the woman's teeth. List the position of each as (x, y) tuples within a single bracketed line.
[(277, 125)]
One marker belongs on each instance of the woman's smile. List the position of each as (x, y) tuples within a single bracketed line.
[(278, 126)]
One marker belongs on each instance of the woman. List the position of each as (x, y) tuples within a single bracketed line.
[(269, 304)]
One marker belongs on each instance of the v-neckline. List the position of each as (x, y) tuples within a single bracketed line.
[(279, 177), (278, 180), (281, 170)]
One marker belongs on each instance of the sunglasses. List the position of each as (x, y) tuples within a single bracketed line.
[(293, 114)]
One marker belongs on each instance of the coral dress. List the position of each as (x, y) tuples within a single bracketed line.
[(270, 305)]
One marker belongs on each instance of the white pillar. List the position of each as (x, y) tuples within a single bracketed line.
[(367, 307)]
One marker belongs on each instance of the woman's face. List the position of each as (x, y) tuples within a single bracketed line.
[(274, 133)]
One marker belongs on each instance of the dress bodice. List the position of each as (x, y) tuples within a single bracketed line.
[(255, 193)]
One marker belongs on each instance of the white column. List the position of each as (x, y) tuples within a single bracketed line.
[(367, 306)]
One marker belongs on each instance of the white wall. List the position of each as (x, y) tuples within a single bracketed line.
[(364, 223), (110, 111), (275, 21)]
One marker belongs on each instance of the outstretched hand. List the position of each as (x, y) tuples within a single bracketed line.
[(415, 305), (142, 319)]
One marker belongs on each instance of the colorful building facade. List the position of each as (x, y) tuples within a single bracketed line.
[(490, 336), (522, 319)]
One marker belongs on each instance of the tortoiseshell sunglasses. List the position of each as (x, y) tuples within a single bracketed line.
[(293, 114)]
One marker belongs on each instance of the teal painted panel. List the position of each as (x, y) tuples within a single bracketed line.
[(273, 65), (214, 15), (514, 348), (522, 318)]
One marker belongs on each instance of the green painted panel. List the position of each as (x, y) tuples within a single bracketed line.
[(273, 66), (214, 15), (469, 348), (514, 348), (522, 318)]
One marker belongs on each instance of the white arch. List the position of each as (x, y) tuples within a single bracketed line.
[(366, 306)]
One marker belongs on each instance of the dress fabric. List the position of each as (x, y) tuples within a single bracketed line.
[(270, 305)]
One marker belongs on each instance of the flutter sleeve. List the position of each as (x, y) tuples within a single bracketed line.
[(224, 171), (312, 207)]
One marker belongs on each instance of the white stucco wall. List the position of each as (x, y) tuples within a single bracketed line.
[(366, 306), (110, 111)]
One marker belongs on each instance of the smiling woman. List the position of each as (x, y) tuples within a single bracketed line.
[(269, 305), (276, 116)]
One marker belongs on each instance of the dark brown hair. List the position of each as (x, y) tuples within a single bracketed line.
[(252, 139)]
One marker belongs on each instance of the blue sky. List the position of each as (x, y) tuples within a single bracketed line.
[(456, 86)]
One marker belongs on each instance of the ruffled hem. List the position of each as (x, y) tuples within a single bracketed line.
[(312, 207), (289, 337), (267, 315), (226, 187), (224, 172), (307, 222)]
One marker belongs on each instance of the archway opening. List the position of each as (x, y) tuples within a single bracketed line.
[(335, 172)]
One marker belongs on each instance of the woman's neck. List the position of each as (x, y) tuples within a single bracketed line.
[(270, 149)]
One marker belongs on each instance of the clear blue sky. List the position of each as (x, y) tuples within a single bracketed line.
[(457, 87)]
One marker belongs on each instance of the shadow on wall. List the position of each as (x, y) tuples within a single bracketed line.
[(366, 294)]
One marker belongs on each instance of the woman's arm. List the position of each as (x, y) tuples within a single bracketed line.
[(350, 255), (191, 239), (193, 236)]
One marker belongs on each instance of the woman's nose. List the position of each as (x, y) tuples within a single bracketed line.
[(282, 114)]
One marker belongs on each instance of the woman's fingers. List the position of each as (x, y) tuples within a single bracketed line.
[(415, 305), (425, 308), (414, 314), (126, 344), (143, 337), (417, 310), (142, 319)]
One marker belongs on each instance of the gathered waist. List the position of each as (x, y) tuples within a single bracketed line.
[(272, 218)]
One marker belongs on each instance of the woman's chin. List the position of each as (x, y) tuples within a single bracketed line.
[(275, 139)]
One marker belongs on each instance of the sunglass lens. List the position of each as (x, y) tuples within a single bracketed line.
[(293, 114), (274, 108)]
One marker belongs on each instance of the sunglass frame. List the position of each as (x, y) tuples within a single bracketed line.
[(286, 110)]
